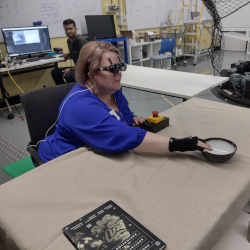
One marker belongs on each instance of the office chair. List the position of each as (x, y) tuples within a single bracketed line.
[(41, 110), (166, 53)]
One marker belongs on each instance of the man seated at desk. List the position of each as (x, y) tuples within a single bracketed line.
[(75, 43), (96, 114)]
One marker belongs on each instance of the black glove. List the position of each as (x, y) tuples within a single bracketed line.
[(184, 144)]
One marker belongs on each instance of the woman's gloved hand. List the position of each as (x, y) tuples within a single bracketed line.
[(187, 144)]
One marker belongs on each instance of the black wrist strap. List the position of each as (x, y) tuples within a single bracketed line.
[(184, 144)]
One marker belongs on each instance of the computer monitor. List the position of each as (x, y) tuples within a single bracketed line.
[(100, 26), (26, 40)]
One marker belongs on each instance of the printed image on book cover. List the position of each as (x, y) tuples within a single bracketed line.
[(111, 228)]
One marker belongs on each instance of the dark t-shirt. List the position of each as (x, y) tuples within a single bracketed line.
[(75, 47)]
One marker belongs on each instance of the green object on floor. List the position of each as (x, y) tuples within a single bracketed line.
[(19, 167)]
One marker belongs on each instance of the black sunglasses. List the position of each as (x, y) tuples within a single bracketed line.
[(114, 68)]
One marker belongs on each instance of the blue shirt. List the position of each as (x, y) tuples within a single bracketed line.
[(85, 120)]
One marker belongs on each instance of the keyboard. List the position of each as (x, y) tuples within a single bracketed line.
[(33, 59)]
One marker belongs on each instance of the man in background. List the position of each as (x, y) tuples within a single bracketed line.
[(75, 43)]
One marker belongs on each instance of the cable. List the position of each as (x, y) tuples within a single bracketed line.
[(216, 32), (218, 11), (13, 80)]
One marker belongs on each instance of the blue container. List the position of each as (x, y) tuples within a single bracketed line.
[(52, 53), (37, 23)]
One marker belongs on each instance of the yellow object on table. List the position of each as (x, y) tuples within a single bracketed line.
[(155, 117)]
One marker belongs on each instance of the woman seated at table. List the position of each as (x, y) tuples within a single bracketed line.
[(96, 114)]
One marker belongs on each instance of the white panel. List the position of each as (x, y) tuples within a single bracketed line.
[(234, 44), (239, 20)]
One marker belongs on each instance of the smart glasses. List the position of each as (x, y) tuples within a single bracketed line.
[(114, 68)]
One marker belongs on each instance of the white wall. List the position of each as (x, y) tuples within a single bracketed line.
[(240, 20), (233, 44), (16, 13)]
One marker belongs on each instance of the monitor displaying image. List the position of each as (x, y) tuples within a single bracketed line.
[(26, 37), (26, 40)]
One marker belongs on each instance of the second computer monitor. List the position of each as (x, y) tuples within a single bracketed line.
[(100, 26), (26, 40)]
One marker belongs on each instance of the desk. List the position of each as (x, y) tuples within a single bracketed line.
[(168, 82), (39, 63), (183, 199), (23, 67)]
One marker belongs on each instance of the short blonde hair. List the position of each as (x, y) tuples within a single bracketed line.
[(90, 58)]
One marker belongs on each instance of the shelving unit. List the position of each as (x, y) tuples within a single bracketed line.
[(177, 32), (119, 40), (193, 29), (192, 39), (140, 53)]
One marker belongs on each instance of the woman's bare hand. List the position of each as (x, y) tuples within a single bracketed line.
[(204, 145), (138, 120)]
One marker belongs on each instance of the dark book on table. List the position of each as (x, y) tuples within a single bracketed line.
[(109, 227)]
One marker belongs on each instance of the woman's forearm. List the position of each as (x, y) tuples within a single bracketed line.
[(154, 143)]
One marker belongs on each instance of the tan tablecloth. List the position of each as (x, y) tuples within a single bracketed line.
[(183, 199)]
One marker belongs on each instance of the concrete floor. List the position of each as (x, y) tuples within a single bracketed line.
[(14, 137)]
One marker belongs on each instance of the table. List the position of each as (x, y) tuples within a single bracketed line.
[(22, 68), (185, 200), (169, 82), (39, 63)]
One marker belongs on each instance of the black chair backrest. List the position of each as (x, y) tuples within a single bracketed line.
[(41, 109)]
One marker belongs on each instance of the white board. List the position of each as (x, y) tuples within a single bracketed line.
[(18, 13), (147, 13)]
